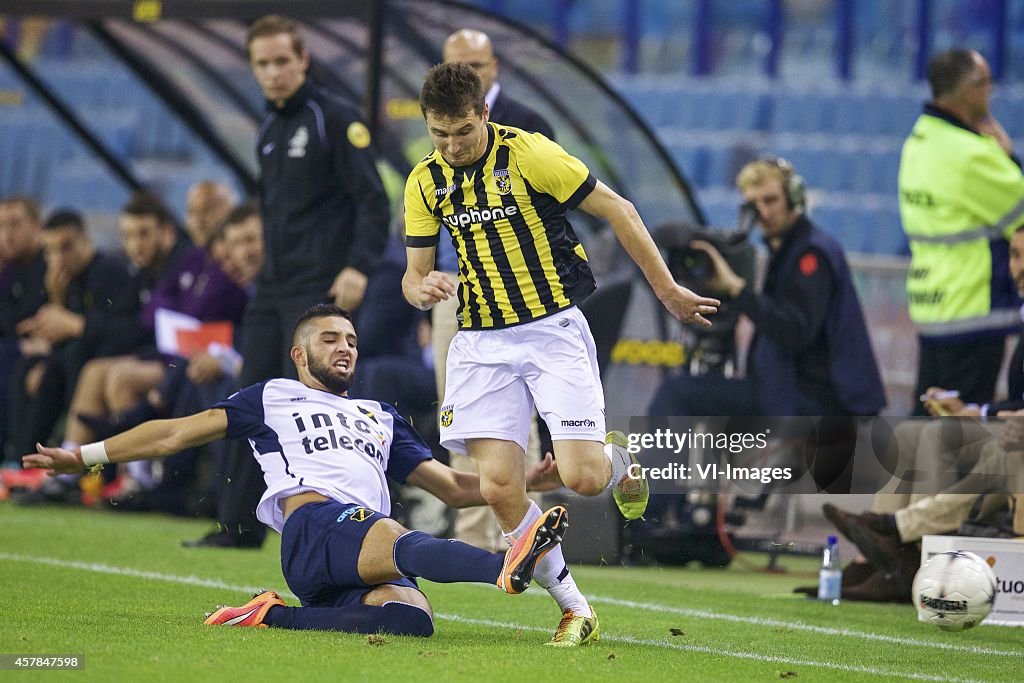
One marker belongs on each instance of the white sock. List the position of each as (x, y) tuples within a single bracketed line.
[(552, 573), (618, 456)]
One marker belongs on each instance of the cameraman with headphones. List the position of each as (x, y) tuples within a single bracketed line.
[(810, 354)]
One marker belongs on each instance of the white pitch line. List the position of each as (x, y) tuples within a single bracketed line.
[(217, 583), (801, 626), (737, 654)]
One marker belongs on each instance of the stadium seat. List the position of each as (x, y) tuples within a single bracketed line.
[(887, 236), (692, 161), (886, 170)]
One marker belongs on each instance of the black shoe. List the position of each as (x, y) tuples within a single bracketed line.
[(53, 491), (884, 549), (839, 517), (224, 539)]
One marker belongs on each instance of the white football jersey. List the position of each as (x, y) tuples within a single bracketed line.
[(311, 440)]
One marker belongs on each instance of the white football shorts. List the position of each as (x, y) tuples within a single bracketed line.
[(495, 377)]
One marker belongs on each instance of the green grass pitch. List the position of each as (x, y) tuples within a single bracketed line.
[(119, 589)]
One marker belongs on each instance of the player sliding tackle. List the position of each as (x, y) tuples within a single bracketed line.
[(324, 457), (502, 193)]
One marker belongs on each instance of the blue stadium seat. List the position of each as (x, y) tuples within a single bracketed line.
[(860, 171), (847, 114), (835, 221), (1009, 110), (719, 166), (693, 162), (743, 110), (650, 104), (886, 232), (809, 112), (886, 171), (891, 115)]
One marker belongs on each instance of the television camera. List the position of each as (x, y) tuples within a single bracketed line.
[(712, 349)]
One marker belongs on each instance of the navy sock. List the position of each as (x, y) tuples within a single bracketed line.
[(445, 561), (396, 618)]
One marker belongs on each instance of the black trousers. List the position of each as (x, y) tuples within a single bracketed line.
[(970, 367), (266, 341)]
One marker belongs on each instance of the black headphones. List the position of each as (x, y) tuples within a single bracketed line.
[(792, 182)]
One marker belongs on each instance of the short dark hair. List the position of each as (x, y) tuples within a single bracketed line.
[(315, 312), (147, 204), (242, 213), (65, 218), (451, 91), (27, 204), (947, 69), (274, 25)]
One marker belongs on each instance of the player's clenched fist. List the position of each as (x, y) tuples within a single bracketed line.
[(435, 286)]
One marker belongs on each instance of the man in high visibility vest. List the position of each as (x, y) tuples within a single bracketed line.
[(961, 197)]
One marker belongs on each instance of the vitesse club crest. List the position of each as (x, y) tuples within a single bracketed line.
[(503, 182), (447, 415)]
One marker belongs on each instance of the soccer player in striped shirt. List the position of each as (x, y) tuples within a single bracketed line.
[(502, 193)]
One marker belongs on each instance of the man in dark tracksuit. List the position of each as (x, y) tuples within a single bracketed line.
[(325, 222)]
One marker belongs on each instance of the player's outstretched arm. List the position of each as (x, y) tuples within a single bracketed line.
[(462, 489), (456, 489), (620, 213), (153, 439), (422, 285)]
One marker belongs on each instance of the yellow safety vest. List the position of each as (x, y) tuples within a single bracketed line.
[(959, 193)]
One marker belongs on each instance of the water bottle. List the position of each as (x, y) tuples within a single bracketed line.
[(830, 577)]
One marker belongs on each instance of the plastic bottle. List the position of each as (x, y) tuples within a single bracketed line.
[(830, 576)]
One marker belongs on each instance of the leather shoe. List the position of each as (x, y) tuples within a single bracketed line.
[(881, 587), (223, 539), (839, 517), (842, 519)]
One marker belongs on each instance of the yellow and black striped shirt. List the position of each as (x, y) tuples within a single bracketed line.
[(519, 259)]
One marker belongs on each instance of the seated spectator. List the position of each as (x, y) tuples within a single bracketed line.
[(190, 283), (206, 207), (22, 291), (888, 536), (189, 387), (242, 233), (939, 466), (91, 312)]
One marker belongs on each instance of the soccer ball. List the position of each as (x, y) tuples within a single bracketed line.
[(954, 590)]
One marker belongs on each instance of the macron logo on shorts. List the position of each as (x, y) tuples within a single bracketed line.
[(578, 423)]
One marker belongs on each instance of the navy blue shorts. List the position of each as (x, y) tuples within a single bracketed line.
[(320, 553)]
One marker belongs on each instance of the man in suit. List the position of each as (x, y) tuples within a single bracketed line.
[(467, 46)]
